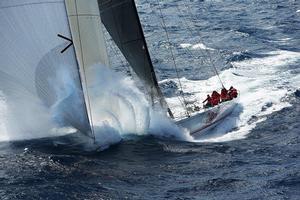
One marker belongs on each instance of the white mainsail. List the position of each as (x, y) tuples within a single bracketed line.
[(32, 67)]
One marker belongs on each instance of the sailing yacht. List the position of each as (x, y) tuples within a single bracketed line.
[(35, 63), (120, 17)]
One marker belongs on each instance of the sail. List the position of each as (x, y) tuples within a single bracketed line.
[(121, 20), (88, 38), (87, 34), (34, 71)]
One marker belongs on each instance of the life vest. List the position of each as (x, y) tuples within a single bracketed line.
[(224, 95), (215, 98), (233, 93)]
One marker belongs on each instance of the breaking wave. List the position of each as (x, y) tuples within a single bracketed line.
[(195, 46), (120, 108), (117, 106)]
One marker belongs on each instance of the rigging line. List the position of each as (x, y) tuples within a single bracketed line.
[(154, 78), (173, 58), (188, 28), (218, 51), (186, 49), (205, 49), (86, 87), (151, 87), (160, 96), (191, 31), (203, 61), (168, 109)]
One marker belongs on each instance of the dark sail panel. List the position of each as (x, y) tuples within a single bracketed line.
[(121, 20)]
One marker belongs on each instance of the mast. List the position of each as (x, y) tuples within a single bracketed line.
[(121, 20)]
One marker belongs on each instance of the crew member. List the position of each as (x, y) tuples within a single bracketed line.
[(233, 92), (215, 98), (224, 95), (208, 104)]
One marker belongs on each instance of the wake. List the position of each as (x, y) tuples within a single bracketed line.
[(263, 84)]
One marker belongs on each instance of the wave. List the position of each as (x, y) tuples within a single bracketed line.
[(118, 108), (263, 84), (123, 109), (195, 46)]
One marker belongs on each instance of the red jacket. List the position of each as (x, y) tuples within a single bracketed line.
[(215, 98), (208, 99), (233, 93), (224, 94)]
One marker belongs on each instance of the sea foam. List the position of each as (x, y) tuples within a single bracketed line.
[(262, 84)]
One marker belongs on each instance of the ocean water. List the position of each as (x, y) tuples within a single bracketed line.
[(253, 154)]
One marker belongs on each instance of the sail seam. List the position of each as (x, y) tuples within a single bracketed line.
[(84, 15), (129, 41), (27, 4)]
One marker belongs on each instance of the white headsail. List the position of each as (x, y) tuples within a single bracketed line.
[(86, 29), (87, 33)]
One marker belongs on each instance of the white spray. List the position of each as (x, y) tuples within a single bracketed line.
[(118, 107), (117, 103)]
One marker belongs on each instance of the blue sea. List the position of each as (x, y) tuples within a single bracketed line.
[(253, 154)]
